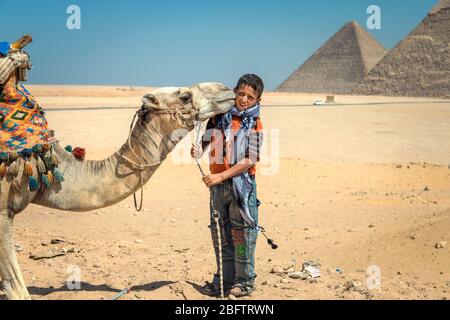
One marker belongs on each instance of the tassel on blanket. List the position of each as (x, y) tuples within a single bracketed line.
[(37, 149), (45, 147), (3, 170), (28, 169), (48, 159), (79, 153), (13, 169), (13, 156), (50, 177), (46, 181), (41, 165), (54, 158), (4, 156), (58, 175), (33, 183)]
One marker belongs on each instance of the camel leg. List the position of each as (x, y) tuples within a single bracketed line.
[(11, 276)]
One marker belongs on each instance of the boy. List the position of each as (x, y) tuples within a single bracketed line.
[(235, 139)]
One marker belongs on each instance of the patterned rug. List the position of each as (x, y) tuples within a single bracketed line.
[(23, 124), (25, 134)]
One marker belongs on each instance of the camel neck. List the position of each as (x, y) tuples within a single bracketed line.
[(90, 185)]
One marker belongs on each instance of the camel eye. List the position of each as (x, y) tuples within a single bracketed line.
[(186, 97)]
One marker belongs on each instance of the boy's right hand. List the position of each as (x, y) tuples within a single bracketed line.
[(196, 151)]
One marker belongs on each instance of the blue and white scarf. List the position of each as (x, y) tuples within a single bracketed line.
[(242, 183)]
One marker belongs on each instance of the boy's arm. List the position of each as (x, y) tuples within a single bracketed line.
[(238, 168)]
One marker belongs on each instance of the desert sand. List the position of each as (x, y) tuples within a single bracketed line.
[(364, 182)]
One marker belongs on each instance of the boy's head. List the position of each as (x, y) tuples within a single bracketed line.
[(249, 90)]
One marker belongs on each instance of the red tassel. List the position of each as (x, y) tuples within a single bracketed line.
[(79, 153)]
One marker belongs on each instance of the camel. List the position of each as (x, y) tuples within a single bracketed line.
[(90, 185)]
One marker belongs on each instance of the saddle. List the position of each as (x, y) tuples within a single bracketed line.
[(24, 130)]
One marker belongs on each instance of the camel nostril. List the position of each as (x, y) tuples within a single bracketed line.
[(150, 99)]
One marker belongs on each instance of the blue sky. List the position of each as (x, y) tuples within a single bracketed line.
[(178, 43)]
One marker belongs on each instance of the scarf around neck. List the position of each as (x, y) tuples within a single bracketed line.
[(242, 183)]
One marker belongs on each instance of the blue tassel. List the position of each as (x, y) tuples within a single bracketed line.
[(58, 175), (33, 184), (45, 181)]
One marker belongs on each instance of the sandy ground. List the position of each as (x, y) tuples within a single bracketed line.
[(356, 186)]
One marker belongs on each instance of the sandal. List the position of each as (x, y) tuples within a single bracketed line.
[(240, 290)]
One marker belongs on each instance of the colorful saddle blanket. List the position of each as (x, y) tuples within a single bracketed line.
[(22, 120)]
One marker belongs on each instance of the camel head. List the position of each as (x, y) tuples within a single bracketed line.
[(197, 103)]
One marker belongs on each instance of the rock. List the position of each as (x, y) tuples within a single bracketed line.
[(440, 245), (426, 189), (138, 241), (399, 273), (172, 220), (399, 166), (277, 270), (284, 281), (95, 265), (371, 226), (412, 236), (18, 248), (299, 275), (351, 285), (264, 283)]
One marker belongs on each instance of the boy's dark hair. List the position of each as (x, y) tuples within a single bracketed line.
[(253, 81)]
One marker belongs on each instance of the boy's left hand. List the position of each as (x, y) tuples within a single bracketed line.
[(213, 179)]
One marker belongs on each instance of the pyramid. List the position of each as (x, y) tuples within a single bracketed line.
[(440, 5), (339, 65), (418, 66)]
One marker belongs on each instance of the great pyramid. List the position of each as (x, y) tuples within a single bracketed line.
[(418, 66), (339, 65)]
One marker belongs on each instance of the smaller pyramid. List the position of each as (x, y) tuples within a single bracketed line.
[(339, 65)]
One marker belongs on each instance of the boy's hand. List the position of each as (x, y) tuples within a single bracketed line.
[(213, 179), (196, 151)]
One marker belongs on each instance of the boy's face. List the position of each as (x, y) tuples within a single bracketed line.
[(246, 97)]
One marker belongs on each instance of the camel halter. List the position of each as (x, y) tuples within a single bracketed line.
[(144, 114)]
